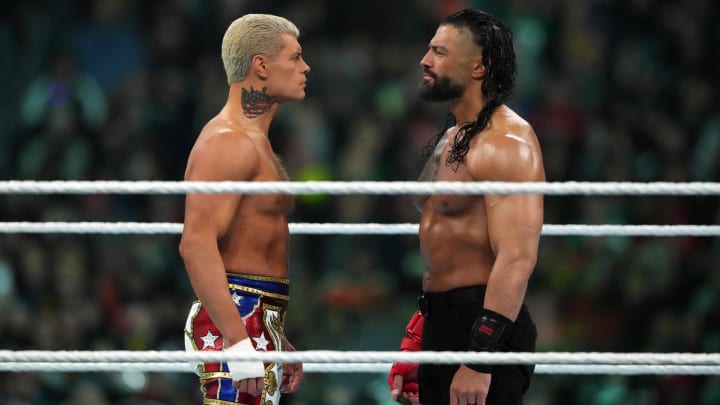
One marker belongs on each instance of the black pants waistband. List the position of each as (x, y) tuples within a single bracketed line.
[(440, 302)]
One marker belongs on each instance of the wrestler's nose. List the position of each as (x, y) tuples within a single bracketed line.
[(426, 61), (306, 70)]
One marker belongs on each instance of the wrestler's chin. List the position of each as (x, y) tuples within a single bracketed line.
[(425, 85), (292, 97), (300, 91)]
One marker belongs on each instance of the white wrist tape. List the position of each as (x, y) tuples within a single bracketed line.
[(240, 370)]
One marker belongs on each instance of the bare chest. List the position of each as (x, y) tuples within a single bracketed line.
[(450, 204), (272, 169)]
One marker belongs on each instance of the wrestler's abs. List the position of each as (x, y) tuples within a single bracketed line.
[(454, 242), (256, 240)]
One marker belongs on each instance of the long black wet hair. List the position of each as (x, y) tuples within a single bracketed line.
[(498, 56)]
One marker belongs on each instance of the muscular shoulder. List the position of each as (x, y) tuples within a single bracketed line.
[(222, 152), (508, 150)]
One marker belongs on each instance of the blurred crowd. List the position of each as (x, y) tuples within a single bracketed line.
[(119, 89)]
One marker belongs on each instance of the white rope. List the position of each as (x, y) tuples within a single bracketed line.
[(347, 368), (631, 230), (92, 227), (352, 229), (358, 187), (329, 356)]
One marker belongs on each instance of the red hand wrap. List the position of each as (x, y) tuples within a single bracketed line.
[(410, 343), (414, 332)]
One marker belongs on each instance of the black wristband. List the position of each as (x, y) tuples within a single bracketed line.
[(489, 332)]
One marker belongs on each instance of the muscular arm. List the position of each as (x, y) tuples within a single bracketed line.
[(514, 221), (220, 157)]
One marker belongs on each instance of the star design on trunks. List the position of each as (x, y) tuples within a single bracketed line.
[(236, 298), (209, 340), (261, 343)]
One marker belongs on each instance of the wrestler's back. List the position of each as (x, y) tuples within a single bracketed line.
[(256, 238)]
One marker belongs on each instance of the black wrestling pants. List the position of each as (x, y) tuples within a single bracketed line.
[(448, 318)]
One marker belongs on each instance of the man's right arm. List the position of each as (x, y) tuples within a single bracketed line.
[(403, 376), (207, 219)]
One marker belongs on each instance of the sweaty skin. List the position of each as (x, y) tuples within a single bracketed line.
[(468, 240), (245, 234), (251, 230), (491, 239), (487, 239)]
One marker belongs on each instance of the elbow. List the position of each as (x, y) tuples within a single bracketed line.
[(185, 248), (523, 263), (182, 249), (196, 245)]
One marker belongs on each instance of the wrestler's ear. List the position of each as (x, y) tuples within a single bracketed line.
[(478, 69), (259, 66)]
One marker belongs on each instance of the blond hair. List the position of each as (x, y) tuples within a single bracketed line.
[(250, 35)]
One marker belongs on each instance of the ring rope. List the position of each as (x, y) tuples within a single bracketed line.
[(330, 356), (357, 187), (352, 229), (600, 363), (624, 369)]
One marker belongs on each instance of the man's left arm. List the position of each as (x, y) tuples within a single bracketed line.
[(514, 221), (514, 224)]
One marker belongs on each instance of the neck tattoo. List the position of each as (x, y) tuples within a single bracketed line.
[(256, 102)]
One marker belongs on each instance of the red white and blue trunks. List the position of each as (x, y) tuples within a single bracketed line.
[(262, 303)]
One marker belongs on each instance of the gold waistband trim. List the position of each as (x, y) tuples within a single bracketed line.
[(259, 278), (210, 401), (258, 292), (215, 374)]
